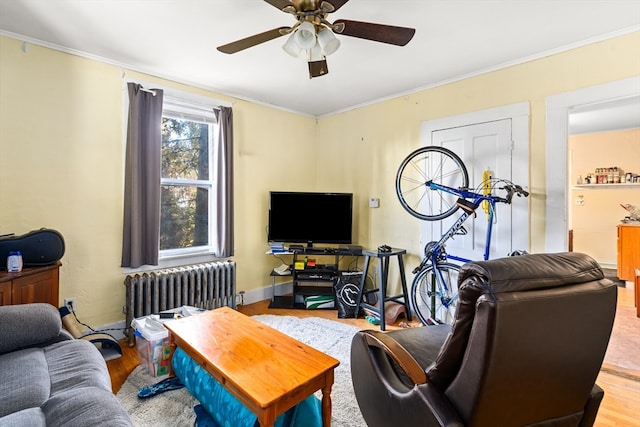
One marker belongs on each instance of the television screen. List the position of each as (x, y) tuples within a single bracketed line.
[(298, 217)]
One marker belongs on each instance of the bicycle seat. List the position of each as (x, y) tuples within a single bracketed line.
[(467, 205)]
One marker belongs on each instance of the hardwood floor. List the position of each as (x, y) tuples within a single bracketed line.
[(620, 406)]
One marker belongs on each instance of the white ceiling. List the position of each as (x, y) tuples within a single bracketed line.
[(177, 40)]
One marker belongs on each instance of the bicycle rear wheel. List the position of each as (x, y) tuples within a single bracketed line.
[(430, 164), (432, 302)]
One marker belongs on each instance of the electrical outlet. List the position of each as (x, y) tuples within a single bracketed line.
[(70, 303), (240, 296)]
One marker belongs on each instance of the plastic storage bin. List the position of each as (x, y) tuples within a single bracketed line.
[(152, 339), (154, 351)]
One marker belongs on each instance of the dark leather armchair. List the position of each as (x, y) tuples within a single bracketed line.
[(525, 349)]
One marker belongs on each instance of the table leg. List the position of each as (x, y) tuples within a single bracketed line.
[(326, 400), (383, 272), (403, 282), (267, 418), (363, 279)]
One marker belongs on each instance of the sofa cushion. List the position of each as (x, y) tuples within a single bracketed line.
[(85, 406), (73, 364), (24, 380), (43, 326), (32, 417), (49, 379), (64, 384)]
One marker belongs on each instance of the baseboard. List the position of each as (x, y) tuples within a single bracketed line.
[(114, 329), (610, 266), (257, 295)]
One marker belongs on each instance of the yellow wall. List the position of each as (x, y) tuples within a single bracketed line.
[(594, 222), (61, 155), (61, 167)]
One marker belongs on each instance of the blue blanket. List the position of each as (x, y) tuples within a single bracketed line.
[(227, 411)]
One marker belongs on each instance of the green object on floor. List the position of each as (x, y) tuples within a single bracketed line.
[(372, 320)]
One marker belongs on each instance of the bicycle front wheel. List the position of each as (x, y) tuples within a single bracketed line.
[(434, 293), (430, 164)]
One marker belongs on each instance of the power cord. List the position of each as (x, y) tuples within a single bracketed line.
[(73, 312)]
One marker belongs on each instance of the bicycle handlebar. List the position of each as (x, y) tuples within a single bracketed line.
[(512, 189)]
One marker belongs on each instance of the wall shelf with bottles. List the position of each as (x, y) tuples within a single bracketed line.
[(625, 185), (611, 176)]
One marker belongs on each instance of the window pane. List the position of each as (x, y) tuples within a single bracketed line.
[(185, 149), (184, 217)]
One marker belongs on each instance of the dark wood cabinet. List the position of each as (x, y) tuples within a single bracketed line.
[(32, 284)]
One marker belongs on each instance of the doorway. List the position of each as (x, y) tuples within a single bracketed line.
[(557, 133)]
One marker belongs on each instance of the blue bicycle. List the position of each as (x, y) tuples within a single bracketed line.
[(432, 183)]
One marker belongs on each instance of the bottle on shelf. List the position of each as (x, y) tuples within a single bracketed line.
[(14, 262)]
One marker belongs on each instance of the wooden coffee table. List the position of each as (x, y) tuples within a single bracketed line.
[(268, 371)]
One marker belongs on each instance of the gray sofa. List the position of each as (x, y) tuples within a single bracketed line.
[(47, 378)]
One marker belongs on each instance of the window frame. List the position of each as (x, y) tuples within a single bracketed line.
[(181, 109)]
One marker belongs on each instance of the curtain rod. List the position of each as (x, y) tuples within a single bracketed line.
[(152, 92)]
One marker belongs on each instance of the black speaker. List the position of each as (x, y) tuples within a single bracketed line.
[(38, 247)]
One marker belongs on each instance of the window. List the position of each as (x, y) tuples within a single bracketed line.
[(178, 183), (187, 198)]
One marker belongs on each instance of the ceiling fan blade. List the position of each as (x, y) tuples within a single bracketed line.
[(280, 4), (399, 36), (251, 41), (337, 4)]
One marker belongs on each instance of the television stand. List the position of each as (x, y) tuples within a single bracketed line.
[(311, 280)]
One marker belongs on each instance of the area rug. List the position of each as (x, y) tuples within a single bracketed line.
[(175, 408)]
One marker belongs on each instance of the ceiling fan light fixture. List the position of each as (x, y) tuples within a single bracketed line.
[(305, 35), (328, 41), (291, 46), (315, 53)]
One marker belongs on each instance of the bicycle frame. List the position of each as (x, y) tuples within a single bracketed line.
[(437, 255), (453, 230)]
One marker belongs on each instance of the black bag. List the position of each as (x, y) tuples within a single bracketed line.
[(346, 289), (38, 247)]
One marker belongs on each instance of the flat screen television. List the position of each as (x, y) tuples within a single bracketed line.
[(305, 217)]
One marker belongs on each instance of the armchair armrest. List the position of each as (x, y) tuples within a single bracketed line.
[(29, 325), (592, 405), (398, 353)]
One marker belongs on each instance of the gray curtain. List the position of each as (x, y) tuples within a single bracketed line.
[(224, 183), (141, 230)]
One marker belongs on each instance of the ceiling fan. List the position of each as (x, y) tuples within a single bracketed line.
[(314, 36)]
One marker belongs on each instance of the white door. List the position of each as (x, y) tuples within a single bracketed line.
[(482, 146)]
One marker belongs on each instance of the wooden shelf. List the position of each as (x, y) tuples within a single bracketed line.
[(32, 284), (625, 185)]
